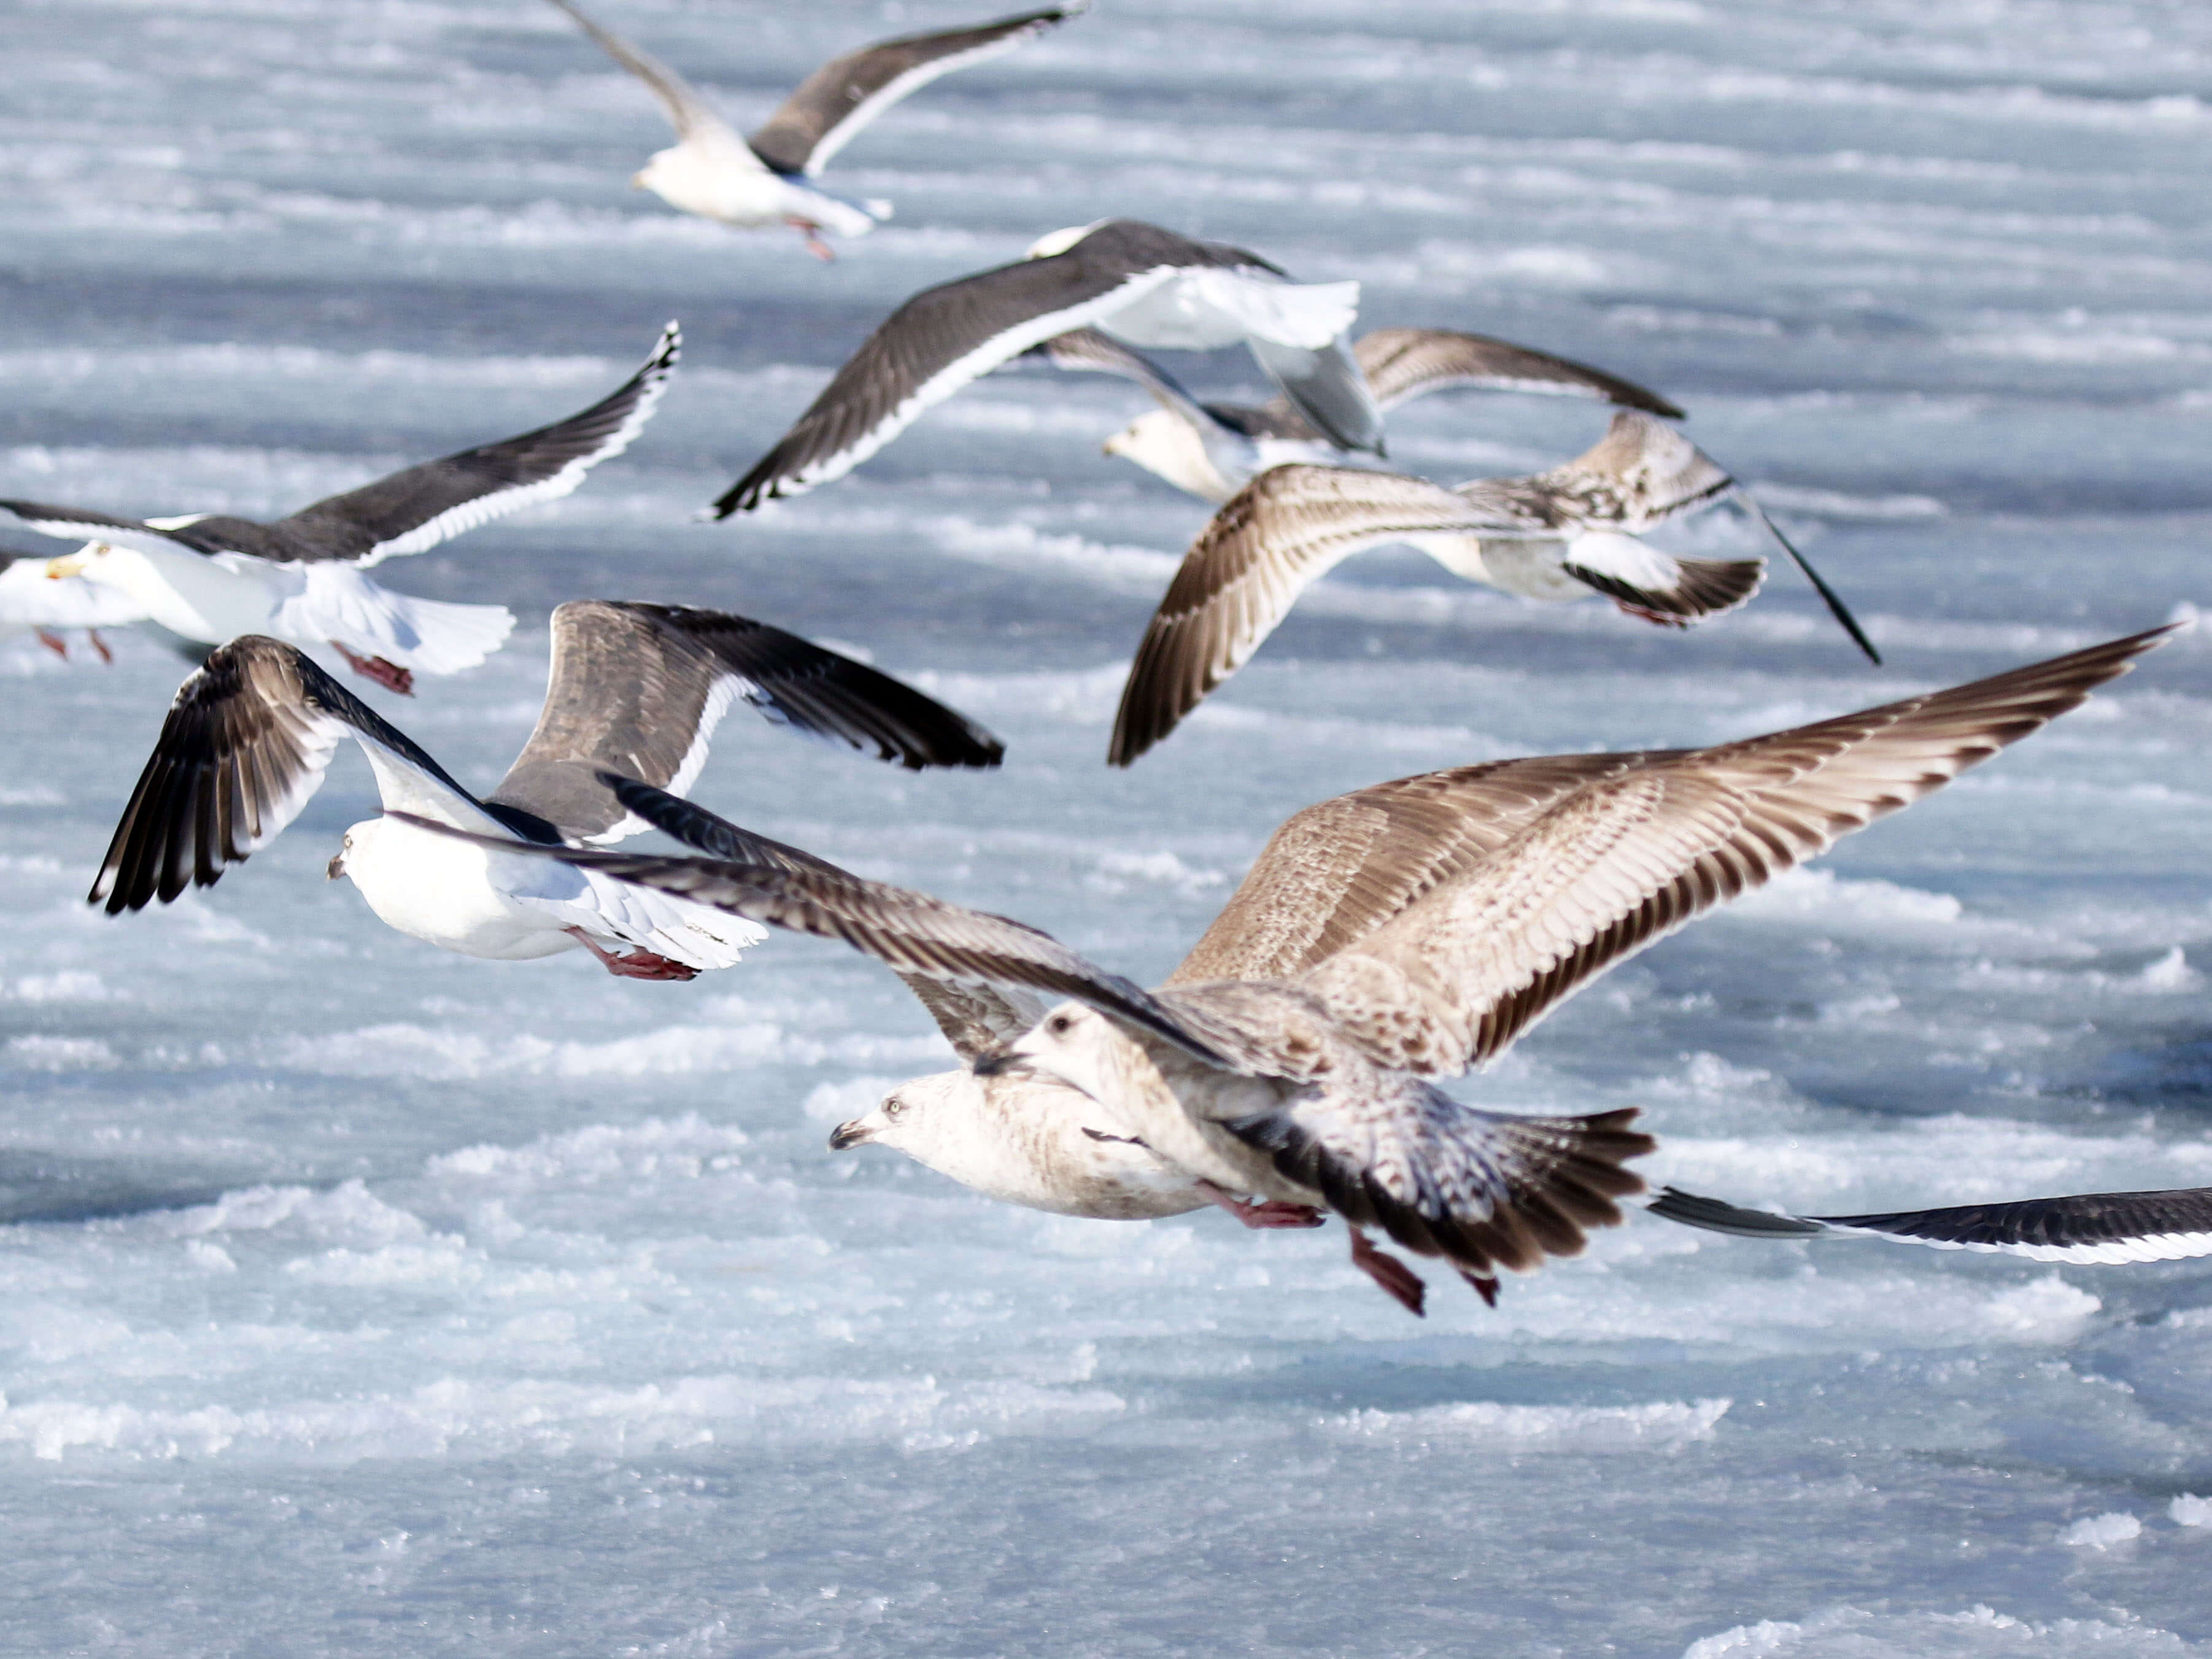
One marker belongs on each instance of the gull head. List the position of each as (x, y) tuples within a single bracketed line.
[(1077, 1045), (914, 1116), (336, 868), (90, 562), (1166, 446)]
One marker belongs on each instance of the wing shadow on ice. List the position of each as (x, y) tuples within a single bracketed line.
[(45, 1187)]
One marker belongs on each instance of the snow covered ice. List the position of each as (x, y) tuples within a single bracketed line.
[(358, 1298)]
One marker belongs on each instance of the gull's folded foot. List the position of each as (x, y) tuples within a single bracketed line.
[(1262, 1216), (389, 675), (635, 964), (1386, 1270), (101, 646), (54, 643), (1485, 1286)]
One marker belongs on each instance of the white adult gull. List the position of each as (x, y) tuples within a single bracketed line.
[(766, 179), (634, 689), (211, 577), (1137, 281), (1388, 937), (1565, 534), (2087, 1228), (1213, 450), (35, 600)]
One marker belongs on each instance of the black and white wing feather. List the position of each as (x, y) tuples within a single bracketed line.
[(638, 689), (832, 105), (1400, 363), (245, 746), (694, 120), (2112, 1228), (422, 506), (1090, 350)]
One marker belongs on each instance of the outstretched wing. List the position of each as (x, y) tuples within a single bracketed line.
[(1623, 860), (976, 1019), (834, 103), (1267, 543), (1090, 350), (638, 689), (906, 931), (693, 118), (1410, 362), (422, 506), (244, 748), (1335, 871), (938, 342), (2173, 1225)]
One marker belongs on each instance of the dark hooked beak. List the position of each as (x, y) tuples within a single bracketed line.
[(847, 1135), (336, 868)]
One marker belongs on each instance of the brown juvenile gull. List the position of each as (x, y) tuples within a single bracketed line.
[(1563, 534), (1392, 936), (1137, 282), (766, 180), (2102, 1227), (207, 578), (633, 689), (1214, 450)]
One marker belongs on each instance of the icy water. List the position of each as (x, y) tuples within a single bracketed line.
[(363, 1299)]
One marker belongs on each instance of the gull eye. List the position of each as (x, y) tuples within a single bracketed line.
[(895, 1107), (1061, 1024)]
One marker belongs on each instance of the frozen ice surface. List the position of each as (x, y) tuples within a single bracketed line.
[(357, 1298)]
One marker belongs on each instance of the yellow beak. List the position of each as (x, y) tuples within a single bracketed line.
[(70, 565)]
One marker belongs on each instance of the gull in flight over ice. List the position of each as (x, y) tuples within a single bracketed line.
[(35, 600), (1213, 450), (207, 577), (2106, 1228), (1137, 283), (633, 690), (1384, 940), (1563, 534), (769, 178)]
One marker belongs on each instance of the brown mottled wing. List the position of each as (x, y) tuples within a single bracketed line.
[(834, 103), (1406, 362), (1267, 543), (1623, 861), (1338, 870)]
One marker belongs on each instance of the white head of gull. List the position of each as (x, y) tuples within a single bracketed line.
[(1141, 284), (766, 180), (1388, 937), (634, 689), (207, 578)]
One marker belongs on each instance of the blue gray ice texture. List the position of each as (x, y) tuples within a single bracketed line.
[(360, 1299)]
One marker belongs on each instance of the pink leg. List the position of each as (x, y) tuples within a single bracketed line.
[(635, 964), (389, 675), (101, 646), (54, 643), (815, 246), (1261, 1216), (1395, 1278)]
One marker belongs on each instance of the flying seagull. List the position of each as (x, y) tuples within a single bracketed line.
[(1137, 281), (209, 577), (766, 180), (34, 600), (1213, 450), (1563, 534), (2112, 1228), (634, 689), (1385, 938)]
